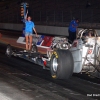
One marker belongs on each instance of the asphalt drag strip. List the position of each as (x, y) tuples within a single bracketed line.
[(18, 82)]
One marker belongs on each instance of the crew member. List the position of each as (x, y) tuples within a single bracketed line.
[(73, 29)]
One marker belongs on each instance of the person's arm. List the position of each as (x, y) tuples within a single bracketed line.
[(35, 31), (74, 24), (25, 18)]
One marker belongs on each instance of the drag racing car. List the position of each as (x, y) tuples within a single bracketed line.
[(62, 58)]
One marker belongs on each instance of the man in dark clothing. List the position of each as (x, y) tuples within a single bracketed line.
[(72, 29)]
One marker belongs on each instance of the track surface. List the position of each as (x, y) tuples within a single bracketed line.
[(23, 80), (37, 83)]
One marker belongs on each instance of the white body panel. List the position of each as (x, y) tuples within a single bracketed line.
[(86, 54), (77, 56)]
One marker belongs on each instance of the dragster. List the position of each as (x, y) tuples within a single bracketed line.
[(63, 58)]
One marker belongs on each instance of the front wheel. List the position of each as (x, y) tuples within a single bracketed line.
[(34, 49), (9, 50), (62, 64)]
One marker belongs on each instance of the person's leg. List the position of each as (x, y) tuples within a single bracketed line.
[(74, 36), (27, 39), (70, 37), (30, 42)]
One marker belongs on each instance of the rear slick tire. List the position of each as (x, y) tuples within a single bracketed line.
[(61, 64)]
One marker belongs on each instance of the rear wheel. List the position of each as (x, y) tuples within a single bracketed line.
[(62, 64)]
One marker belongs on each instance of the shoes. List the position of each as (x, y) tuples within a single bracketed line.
[(26, 50)]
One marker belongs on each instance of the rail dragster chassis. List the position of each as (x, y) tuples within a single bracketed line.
[(64, 59)]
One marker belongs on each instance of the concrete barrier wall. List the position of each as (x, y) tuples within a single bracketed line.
[(17, 27), (40, 28), (54, 30)]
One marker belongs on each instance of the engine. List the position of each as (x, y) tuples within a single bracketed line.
[(60, 43)]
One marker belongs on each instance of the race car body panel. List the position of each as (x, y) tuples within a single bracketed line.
[(86, 54), (76, 50), (44, 41)]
